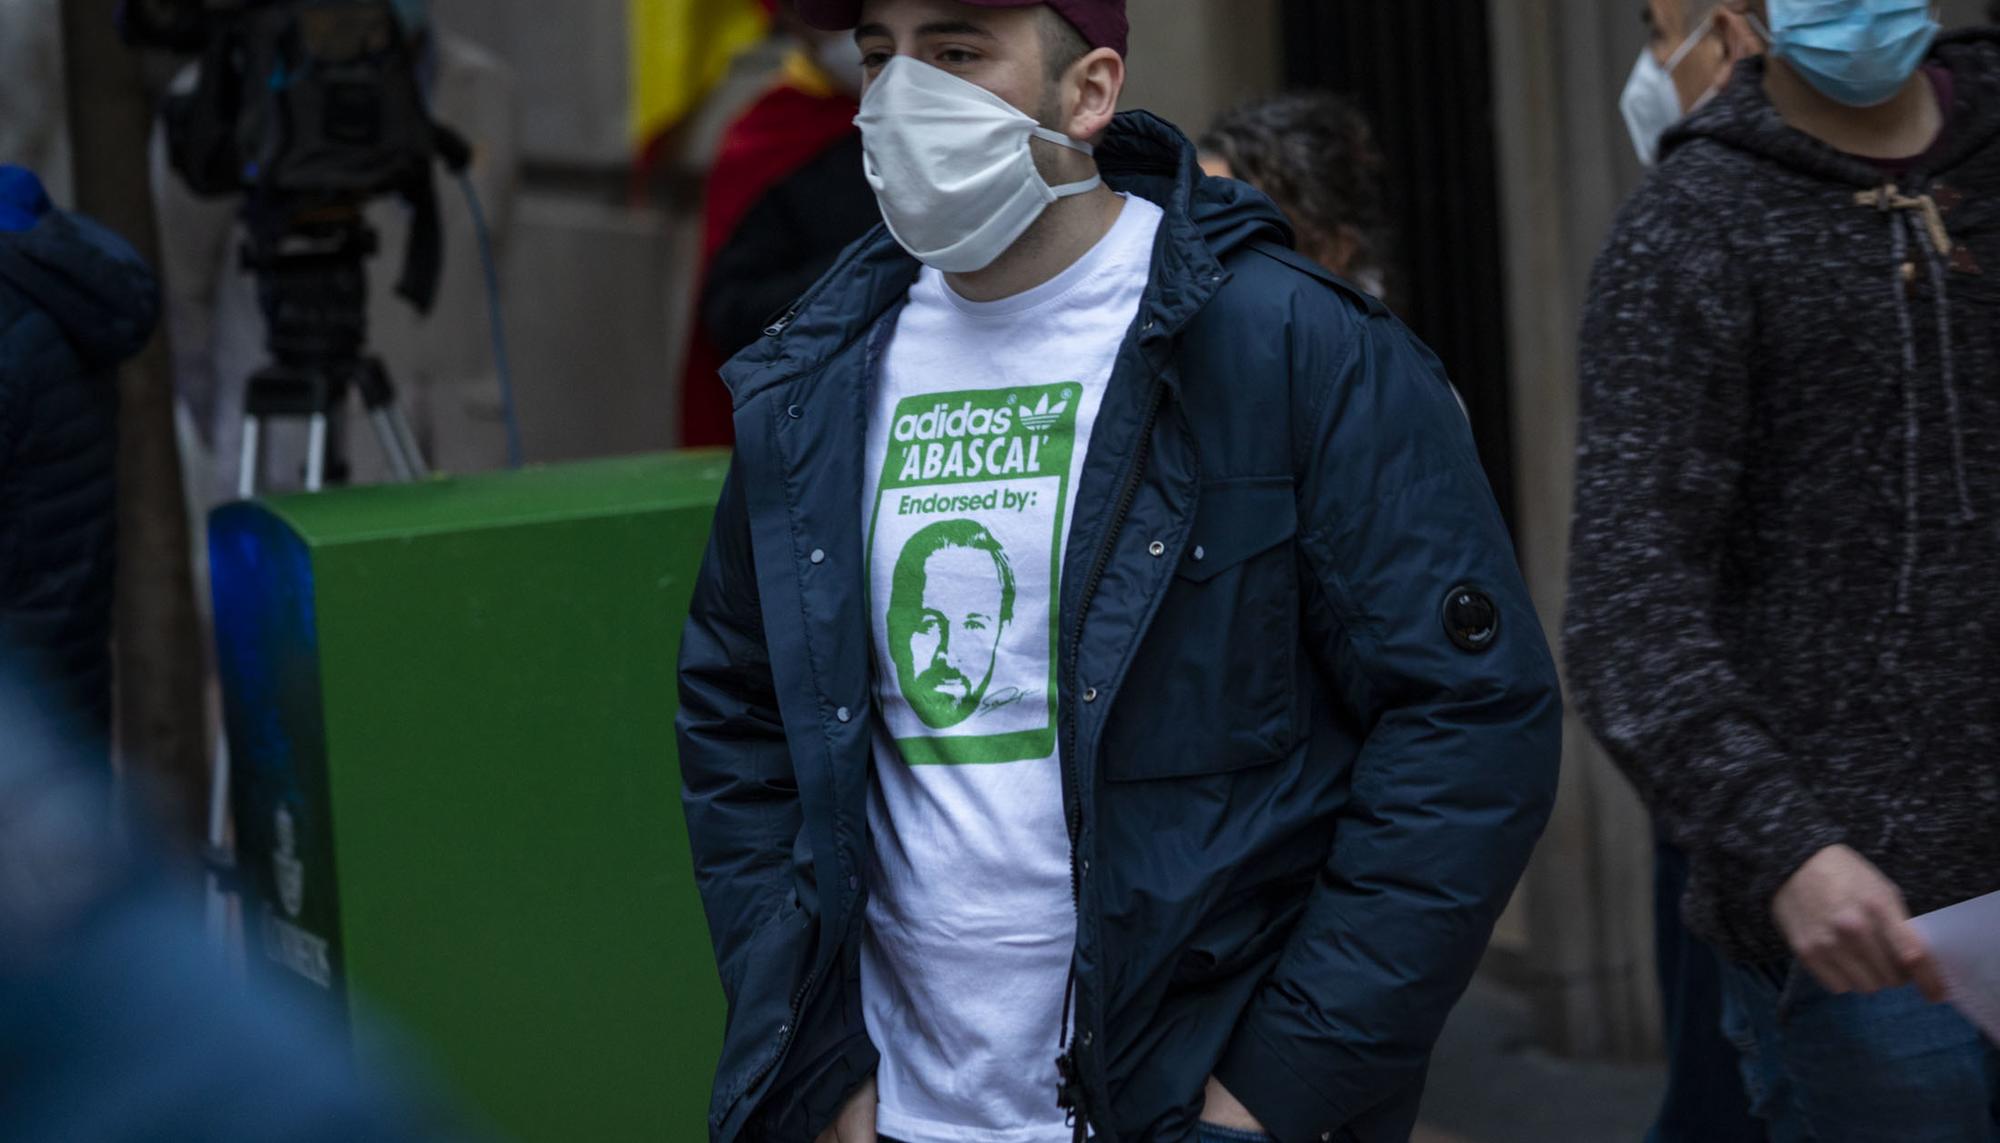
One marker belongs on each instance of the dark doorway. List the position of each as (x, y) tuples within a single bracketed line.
[(1421, 72)]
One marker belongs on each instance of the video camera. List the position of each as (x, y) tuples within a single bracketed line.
[(309, 108)]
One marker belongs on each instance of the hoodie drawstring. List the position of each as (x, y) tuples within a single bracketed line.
[(1936, 242), (1912, 422), (1936, 252)]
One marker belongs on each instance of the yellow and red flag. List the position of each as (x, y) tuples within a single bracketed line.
[(680, 50)]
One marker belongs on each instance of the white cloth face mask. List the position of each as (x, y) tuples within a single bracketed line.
[(1651, 104), (950, 165)]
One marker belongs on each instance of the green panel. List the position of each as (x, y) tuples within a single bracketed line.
[(498, 661)]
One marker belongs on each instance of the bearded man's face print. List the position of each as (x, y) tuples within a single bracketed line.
[(951, 602)]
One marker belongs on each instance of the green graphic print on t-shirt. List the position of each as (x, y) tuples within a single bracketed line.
[(965, 554)]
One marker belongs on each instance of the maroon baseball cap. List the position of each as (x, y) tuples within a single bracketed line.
[(1101, 22)]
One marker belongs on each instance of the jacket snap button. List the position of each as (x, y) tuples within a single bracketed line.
[(1471, 619), (818, 556), (844, 714), (1086, 1039), (1200, 553), (1090, 694), (1157, 548), (853, 883), (794, 412)]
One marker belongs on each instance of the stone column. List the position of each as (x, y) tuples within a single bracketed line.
[(1565, 164)]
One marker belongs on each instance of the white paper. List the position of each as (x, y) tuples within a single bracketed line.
[(1965, 939)]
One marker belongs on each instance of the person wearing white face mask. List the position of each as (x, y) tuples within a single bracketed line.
[(1786, 369), (1110, 703), (1690, 50)]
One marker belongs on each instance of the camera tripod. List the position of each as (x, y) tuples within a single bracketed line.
[(312, 284)]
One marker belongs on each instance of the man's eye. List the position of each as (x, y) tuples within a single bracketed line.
[(975, 624), (874, 61), (958, 56)]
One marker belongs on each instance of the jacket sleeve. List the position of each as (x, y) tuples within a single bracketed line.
[(1456, 773), (1663, 442), (738, 788)]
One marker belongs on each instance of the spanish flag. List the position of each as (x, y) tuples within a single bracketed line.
[(680, 50)]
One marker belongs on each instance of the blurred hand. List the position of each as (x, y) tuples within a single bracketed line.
[(1221, 1109), (857, 1120), (1847, 924)]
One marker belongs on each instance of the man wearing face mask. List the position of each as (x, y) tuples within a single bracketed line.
[(1690, 50), (1783, 517), (1262, 728)]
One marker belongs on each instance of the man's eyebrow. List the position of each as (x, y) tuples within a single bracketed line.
[(927, 31), (954, 28)]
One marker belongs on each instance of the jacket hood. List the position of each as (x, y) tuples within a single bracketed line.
[(1742, 118), (1145, 155), (88, 280), (1206, 220)]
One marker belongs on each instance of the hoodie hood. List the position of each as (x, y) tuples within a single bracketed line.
[(1742, 118), (1206, 220), (88, 280)]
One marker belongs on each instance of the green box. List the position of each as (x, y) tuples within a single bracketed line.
[(450, 709)]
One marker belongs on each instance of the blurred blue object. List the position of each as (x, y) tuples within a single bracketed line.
[(119, 1022), (22, 200)]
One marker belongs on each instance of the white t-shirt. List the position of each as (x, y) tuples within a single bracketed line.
[(976, 441)]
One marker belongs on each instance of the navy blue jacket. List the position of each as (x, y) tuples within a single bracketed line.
[(1298, 799), (74, 302)]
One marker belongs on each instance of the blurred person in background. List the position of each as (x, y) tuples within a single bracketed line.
[(123, 1023), (1786, 493), (1691, 50), (1314, 154), (75, 301), (1690, 53), (1153, 742), (785, 196), (442, 363)]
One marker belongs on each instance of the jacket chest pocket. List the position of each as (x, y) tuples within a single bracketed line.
[(1214, 687)]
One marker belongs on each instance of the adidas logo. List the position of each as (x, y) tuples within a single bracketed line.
[(1041, 418)]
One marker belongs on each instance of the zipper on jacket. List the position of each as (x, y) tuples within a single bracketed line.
[(785, 320), (1069, 1091), (785, 1036)]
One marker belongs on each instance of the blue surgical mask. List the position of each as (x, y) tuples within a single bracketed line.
[(1856, 52)]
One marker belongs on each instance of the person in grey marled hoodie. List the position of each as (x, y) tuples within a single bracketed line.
[(1788, 505)]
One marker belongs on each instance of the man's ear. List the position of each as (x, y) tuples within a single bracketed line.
[(1739, 39), (1095, 83)]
